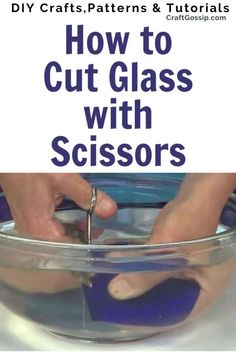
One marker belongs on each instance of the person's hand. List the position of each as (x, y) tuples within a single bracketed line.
[(193, 214), (33, 198), (175, 222)]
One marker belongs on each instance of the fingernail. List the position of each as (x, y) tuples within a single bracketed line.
[(120, 289), (105, 205)]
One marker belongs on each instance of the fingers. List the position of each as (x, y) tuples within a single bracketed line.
[(33, 199), (32, 203), (75, 187)]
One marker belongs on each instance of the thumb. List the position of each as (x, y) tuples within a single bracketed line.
[(80, 191), (127, 286), (131, 285)]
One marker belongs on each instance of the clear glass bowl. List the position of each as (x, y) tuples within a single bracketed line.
[(64, 287)]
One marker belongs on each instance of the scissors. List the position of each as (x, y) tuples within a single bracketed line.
[(85, 278), (90, 212)]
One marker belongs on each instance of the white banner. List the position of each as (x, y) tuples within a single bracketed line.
[(125, 86)]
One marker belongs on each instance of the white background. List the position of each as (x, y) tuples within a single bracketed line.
[(203, 120)]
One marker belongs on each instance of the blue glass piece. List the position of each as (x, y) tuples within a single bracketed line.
[(166, 304), (5, 213), (228, 216)]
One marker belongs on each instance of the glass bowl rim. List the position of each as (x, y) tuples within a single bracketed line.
[(227, 234)]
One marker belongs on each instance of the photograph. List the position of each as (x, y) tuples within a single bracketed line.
[(115, 258), (117, 176)]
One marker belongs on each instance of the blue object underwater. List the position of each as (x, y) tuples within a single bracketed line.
[(166, 304)]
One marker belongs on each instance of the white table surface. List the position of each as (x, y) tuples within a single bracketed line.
[(215, 330)]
